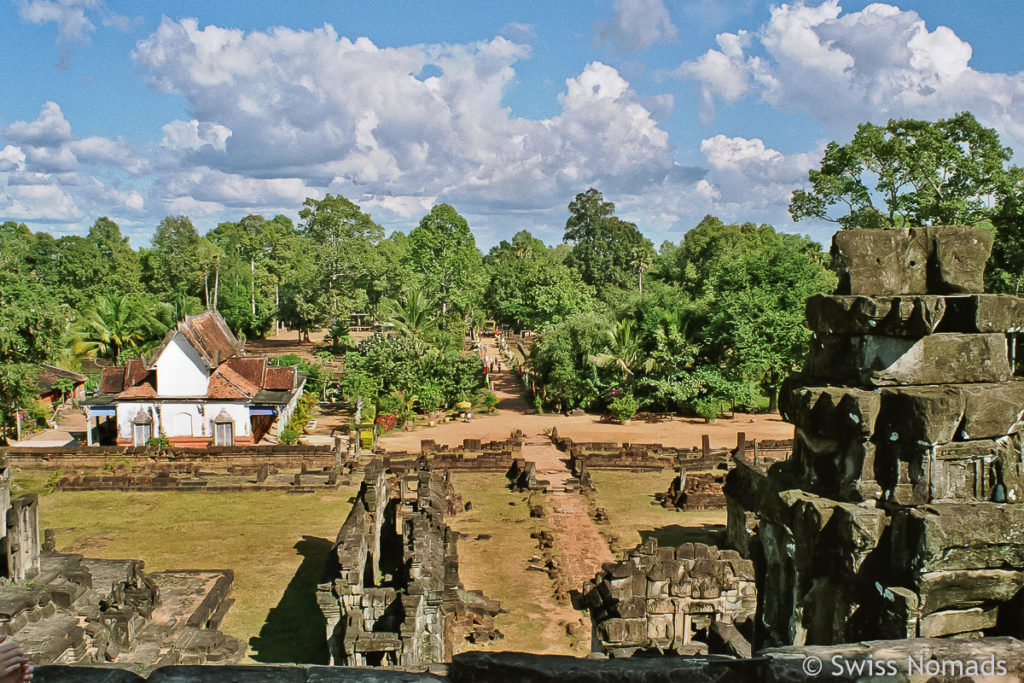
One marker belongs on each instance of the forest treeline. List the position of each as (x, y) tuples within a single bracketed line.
[(712, 321)]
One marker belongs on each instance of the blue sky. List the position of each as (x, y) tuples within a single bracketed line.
[(672, 108)]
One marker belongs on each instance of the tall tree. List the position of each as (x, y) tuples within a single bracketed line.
[(908, 172), (605, 249), (172, 264), (530, 287), (343, 241), (443, 255)]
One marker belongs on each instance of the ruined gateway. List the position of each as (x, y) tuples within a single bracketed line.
[(391, 593), (899, 514)]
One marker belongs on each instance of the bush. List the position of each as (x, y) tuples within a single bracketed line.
[(288, 436), (487, 399), (158, 442), (624, 407), (39, 413), (387, 421), (52, 480), (708, 408)]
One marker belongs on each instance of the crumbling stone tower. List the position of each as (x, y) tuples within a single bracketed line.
[(899, 513)]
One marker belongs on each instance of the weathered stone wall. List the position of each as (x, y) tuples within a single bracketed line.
[(473, 454), (391, 593), (655, 456), (76, 458), (899, 513), (781, 665)]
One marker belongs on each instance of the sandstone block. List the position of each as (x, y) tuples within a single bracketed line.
[(957, 621), (881, 261), (943, 358), (964, 589), (956, 536), (900, 612), (992, 410), (925, 260), (829, 412), (893, 316), (923, 414)]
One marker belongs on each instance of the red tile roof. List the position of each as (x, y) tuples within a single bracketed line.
[(225, 383), (211, 338), (112, 380), (280, 379), (251, 368), (145, 388)]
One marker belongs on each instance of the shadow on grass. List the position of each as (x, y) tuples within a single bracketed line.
[(295, 628), (675, 534)]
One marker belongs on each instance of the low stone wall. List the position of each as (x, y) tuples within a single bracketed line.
[(70, 458), (928, 657), (473, 454), (655, 456)]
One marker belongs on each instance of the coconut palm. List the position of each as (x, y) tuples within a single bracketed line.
[(112, 326), (415, 317), (624, 352)]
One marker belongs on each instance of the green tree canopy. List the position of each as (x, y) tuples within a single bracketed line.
[(530, 287), (606, 250), (908, 172), (444, 258)]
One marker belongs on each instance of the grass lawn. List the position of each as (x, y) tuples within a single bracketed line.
[(634, 514), (276, 543), (497, 565)]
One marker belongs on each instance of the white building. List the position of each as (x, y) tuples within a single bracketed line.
[(197, 389)]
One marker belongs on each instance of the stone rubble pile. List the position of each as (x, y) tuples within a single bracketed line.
[(899, 513)]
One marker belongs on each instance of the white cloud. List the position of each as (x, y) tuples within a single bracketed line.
[(518, 32), (638, 24), (843, 69), (41, 178), (345, 116), (72, 18)]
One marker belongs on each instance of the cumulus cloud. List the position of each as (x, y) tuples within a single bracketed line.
[(322, 112), (41, 178), (638, 24), (72, 17), (842, 69)]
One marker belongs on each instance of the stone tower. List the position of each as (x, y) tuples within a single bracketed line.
[(899, 512)]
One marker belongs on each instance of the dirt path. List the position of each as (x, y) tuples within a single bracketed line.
[(577, 539)]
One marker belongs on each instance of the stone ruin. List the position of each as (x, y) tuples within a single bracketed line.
[(473, 454), (391, 593), (662, 600), (694, 491), (899, 513), (68, 609)]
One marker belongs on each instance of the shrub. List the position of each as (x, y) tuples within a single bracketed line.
[(624, 407), (52, 480), (487, 399), (387, 421), (158, 442), (288, 436), (708, 408), (39, 413)]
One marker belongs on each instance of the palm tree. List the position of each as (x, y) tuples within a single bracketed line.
[(112, 326), (624, 352), (641, 261), (414, 317)]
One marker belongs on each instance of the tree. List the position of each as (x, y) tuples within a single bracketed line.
[(111, 326), (530, 287), (749, 284), (923, 173), (444, 257), (560, 359), (123, 268), (172, 265), (32, 325), (605, 249), (343, 241)]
